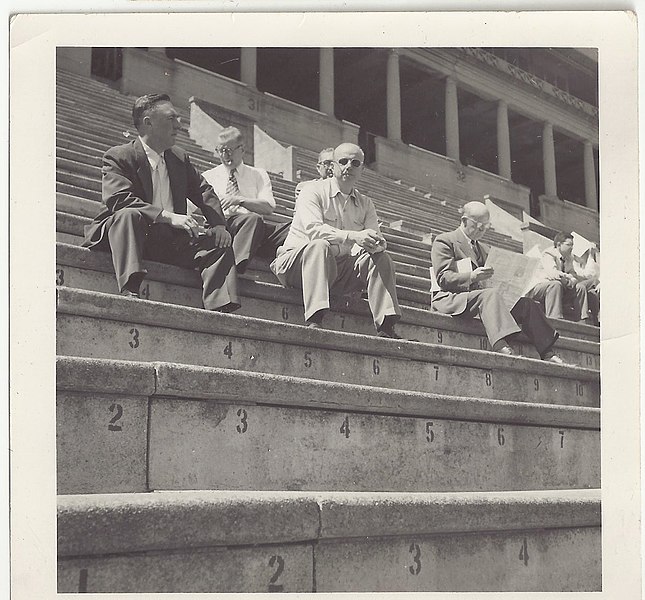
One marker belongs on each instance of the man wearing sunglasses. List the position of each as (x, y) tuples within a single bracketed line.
[(461, 293), (334, 246), (245, 194)]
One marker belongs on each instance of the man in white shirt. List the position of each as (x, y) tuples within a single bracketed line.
[(334, 246), (245, 194), (324, 166)]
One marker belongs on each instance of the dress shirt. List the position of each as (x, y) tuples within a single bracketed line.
[(323, 213), (161, 192), (551, 265), (251, 181)]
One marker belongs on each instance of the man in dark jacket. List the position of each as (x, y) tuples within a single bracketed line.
[(145, 185)]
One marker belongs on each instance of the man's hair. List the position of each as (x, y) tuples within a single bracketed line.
[(561, 236), (144, 104), (228, 134), (325, 151)]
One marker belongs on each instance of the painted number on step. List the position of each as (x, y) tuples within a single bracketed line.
[(344, 428), (436, 373), (440, 337), (561, 432), (589, 360), (117, 413), (580, 390), (489, 378), (285, 313), (501, 440), (376, 367), (82, 581), (228, 350), (243, 424), (429, 431), (308, 361), (342, 321), (134, 342), (276, 562), (524, 552), (60, 277), (536, 384), (415, 568), (253, 104), (145, 291)]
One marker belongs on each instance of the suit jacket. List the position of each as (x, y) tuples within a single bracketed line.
[(127, 183), (447, 249)]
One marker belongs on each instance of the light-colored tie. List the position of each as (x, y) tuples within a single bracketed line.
[(232, 189), (161, 192)]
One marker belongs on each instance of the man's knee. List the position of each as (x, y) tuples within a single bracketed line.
[(317, 248), (251, 220), (128, 215)]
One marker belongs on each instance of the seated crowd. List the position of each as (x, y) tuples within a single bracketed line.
[(332, 247)]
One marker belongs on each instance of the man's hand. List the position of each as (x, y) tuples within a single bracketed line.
[(231, 201), (369, 240), (185, 222), (481, 273), (221, 235)]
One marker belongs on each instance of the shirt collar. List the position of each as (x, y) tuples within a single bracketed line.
[(153, 156), (334, 190), (468, 239), (238, 170)]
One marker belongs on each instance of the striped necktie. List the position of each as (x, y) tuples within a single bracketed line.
[(477, 251), (232, 189)]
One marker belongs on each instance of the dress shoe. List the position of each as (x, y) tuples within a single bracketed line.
[(314, 325), (507, 350), (389, 333), (552, 357), (130, 294)]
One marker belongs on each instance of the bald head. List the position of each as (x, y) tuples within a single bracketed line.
[(477, 211), (348, 149), (475, 221)]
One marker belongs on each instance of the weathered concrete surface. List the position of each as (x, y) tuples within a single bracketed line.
[(144, 331), (566, 559), (207, 445), (101, 442), (81, 262), (271, 568), (123, 523)]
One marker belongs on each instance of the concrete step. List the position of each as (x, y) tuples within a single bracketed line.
[(326, 542), (265, 298), (97, 325), (128, 426)]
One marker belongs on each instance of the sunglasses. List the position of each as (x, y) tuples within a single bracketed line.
[(353, 161), (226, 150)]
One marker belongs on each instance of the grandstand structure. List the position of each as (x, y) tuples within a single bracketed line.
[(209, 452)]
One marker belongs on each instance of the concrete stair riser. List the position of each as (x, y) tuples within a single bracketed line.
[(105, 326), (175, 427), (329, 541), (78, 268)]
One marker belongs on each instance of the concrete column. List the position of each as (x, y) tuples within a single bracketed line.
[(326, 81), (548, 159), (591, 197), (452, 119), (248, 66), (503, 141), (393, 96)]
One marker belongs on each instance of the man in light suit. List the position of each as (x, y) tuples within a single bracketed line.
[(145, 184), (461, 295), (334, 246)]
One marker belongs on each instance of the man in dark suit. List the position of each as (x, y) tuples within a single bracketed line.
[(462, 295), (144, 188)]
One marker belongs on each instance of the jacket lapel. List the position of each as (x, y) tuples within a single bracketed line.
[(465, 246), (143, 170)]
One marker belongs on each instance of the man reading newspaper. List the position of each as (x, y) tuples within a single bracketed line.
[(462, 292)]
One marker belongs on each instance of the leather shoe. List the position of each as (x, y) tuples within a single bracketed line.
[(130, 294), (507, 350), (314, 325), (552, 357), (389, 333)]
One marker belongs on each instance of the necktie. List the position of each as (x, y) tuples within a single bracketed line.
[(476, 250), (562, 263), (232, 189), (162, 195)]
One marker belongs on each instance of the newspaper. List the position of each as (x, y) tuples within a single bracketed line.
[(515, 274)]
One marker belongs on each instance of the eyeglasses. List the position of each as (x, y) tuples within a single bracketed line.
[(480, 226), (227, 150), (326, 163), (353, 161)]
